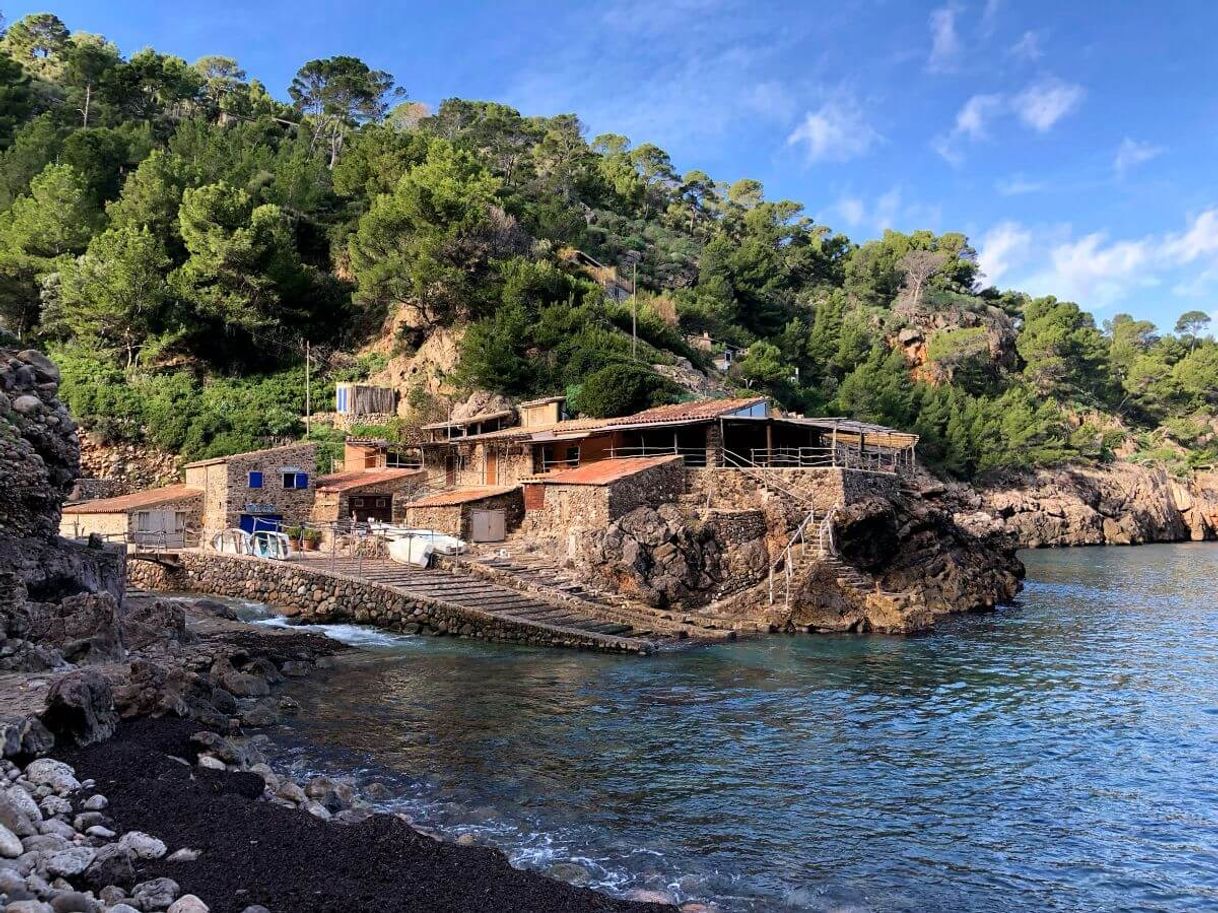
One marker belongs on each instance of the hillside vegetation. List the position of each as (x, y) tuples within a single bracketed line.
[(175, 235)]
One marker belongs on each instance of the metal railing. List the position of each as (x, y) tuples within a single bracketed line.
[(695, 457), (796, 548), (881, 460), (145, 540)]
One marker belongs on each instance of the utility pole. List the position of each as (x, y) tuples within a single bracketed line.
[(634, 312), (308, 388)]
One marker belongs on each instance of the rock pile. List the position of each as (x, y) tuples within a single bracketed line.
[(60, 853), (666, 557)]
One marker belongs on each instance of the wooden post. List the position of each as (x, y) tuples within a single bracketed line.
[(769, 442), (833, 450)]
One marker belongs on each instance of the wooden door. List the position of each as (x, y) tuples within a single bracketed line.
[(488, 525), (492, 466)]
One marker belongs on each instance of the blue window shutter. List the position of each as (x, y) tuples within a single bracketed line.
[(302, 480), (255, 479)]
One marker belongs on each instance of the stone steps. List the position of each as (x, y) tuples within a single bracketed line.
[(534, 572), (485, 596)]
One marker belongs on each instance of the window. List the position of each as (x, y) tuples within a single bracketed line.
[(255, 479), (295, 480)]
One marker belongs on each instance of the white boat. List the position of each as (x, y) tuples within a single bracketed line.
[(441, 543), (232, 541), (267, 544)]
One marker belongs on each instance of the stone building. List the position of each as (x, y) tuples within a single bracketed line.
[(594, 495), (264, 489), (484, 514), (169, 517), (366, 494)]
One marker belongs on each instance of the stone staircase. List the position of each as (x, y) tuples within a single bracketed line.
[(485, 595), (546, 577)]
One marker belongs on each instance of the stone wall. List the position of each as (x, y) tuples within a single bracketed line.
[(316, 596), (823, 487), (96, 489), (456, 519), (225, 484), (654, 486)]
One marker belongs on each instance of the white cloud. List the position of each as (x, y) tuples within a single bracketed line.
[(1132, 153), (1018, 185), (1043, 104), (852, 210), (1038, 106), (888, 210), (1097, 271), (1027, 47), (989, 17), (972, 120), (1002, 247), (1199, 240), (972, 123), (1093, 270), (835, 132), (945, 42)]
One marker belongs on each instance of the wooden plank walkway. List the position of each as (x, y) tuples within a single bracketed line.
[(480, 594)]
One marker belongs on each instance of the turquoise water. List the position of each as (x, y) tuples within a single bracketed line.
[(1056, 755)]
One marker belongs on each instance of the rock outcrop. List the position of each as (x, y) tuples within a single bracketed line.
[(58, 599), (913, 545), (1118, 504), (667, 558), (900, 562)]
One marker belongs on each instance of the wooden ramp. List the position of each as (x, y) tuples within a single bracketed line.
[(486, 596)]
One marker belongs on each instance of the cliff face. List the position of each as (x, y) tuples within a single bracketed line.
[(1119, 504), (58, 599)]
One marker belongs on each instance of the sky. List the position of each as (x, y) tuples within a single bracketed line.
[(1073, 142)]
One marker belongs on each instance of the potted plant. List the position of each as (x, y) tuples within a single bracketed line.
[(311, 539)]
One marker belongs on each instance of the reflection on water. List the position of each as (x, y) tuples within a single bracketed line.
[(1053, 756)]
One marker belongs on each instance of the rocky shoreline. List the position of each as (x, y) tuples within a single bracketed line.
[(145, 810)]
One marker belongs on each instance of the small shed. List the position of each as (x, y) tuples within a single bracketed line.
[(480, 514), (595, 494), (154, 518), (374, 494), (352, 399)]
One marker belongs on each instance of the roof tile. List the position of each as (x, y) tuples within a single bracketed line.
[(137, 499)]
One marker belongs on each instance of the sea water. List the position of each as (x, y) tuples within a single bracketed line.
[(1060, 754)]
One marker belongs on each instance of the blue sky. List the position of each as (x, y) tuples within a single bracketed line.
[(1073, 142)]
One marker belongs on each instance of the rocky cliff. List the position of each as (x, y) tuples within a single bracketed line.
[(1118, 504), (900, 562)]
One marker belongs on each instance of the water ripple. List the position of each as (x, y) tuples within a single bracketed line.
[(1053, 756)]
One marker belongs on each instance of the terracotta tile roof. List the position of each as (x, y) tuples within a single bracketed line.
[(137, 499), (252, 453), (356, 479), (695, 411), (461, 496), (675, 414), (605, 472)]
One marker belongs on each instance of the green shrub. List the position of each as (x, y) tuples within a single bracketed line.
[(622, 388)]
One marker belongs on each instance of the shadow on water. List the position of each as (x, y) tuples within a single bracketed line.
[(1055, 755)]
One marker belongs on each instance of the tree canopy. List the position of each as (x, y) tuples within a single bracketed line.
[(177, 233)]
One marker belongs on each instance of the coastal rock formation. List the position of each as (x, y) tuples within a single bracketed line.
[(666, 558), (913, 545), (58, 599), (901, 560), (1119, 504)]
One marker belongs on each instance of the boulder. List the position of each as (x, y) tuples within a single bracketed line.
[(152, 622), (80, 708)]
